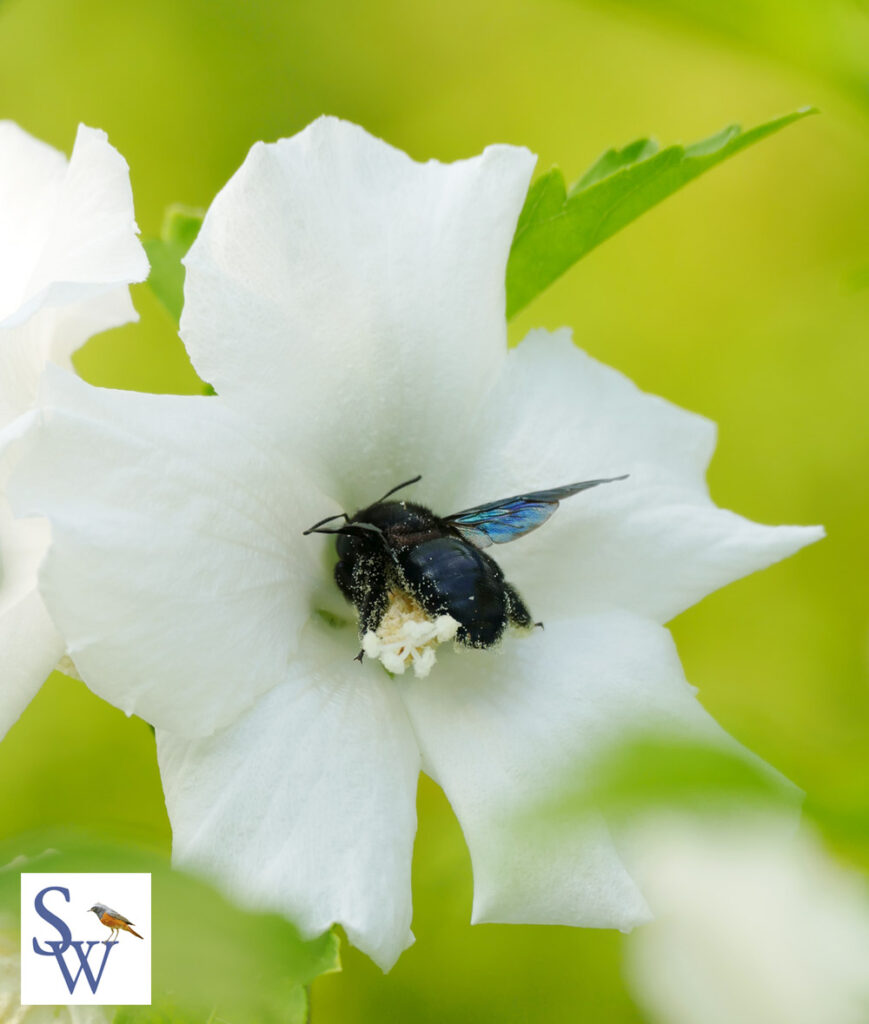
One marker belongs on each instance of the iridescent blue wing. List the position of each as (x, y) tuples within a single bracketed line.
[(503, 521)]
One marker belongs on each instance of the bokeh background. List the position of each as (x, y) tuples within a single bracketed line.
[(745, 297)]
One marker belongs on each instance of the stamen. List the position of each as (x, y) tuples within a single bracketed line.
[(407, 636)]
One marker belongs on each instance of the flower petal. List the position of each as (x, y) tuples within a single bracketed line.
[(53, 334), (30, 176), (355, 298), (178, 573), (752, 924), (654, 543), (68, 229), (68, 248), (30, 645), (502, 733), (306, 805)]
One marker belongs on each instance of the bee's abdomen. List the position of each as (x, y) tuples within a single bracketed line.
[(448, 575)]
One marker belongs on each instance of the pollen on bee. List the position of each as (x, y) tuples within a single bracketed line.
[(407, 636)]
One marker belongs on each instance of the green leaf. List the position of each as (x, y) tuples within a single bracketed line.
[(558, 226), (209, 957), (614, 160), (181, 225)]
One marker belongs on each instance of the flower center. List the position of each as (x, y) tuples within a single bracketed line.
[(408, 636)]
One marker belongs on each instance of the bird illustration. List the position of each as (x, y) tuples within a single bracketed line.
[(112, 919)]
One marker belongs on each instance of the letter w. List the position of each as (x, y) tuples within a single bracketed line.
[(84, 966)]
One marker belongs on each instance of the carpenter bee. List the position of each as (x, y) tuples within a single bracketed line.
[(401, 547)]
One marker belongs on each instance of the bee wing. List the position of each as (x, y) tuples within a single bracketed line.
[(499, 522)]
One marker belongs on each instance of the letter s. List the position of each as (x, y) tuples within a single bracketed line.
[(56, 922)]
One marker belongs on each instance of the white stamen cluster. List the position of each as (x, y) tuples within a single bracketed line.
[(408, 636)]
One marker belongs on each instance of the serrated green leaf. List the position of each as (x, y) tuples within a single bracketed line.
[(209, 957), (557, 226), (181, 225), (614, 160)]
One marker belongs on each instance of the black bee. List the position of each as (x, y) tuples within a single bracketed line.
[(399, 545)]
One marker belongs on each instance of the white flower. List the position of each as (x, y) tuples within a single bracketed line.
[(348, 305), (68, 249), (751, 925)]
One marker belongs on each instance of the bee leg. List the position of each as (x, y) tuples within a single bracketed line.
[(372, 609), (517, 612)]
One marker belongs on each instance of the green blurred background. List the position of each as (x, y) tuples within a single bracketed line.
[(744, 297)]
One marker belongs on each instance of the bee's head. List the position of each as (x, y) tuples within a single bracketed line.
[(356, 544), (360, 526), (353, 529), (356, 537)]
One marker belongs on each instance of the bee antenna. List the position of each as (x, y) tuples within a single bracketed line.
[(316, 527), (398, 487), (350, 530), (364, 527)]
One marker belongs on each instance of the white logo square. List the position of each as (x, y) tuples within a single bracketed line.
[(85, 939)]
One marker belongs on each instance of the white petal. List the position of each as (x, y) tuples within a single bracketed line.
[(68, 248), (306, 805), (30, 645), (68, 231), (356, 298), (30, 175), (53, 333), (751, 925), (654, 543), (498, 731), (178, 573)]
